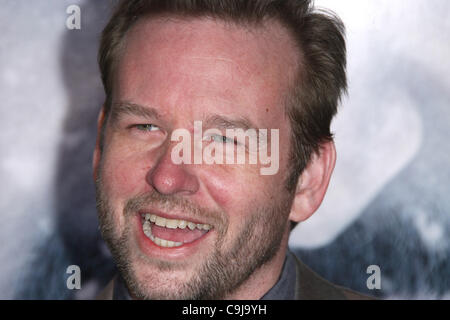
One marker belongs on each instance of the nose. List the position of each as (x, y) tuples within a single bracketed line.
[(169, 178)]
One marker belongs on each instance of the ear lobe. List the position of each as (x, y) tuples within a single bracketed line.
[(97, 151), (313, 183)]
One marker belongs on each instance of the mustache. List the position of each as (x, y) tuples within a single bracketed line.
[(167, 203)]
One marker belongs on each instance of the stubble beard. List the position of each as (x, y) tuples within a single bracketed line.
[(221, 272)]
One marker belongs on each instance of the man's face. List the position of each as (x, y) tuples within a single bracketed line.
[(173, 72)]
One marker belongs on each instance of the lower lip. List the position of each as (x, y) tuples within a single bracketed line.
[(149, 248)]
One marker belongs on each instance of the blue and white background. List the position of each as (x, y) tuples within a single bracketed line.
[(388, 203)]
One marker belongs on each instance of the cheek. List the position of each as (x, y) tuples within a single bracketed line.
[(219, 188), (238, 190), (124, 173)]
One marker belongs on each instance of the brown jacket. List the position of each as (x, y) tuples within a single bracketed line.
[(310, 286)]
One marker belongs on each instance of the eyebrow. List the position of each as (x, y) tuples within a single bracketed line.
[(119, 109), (224, 122)]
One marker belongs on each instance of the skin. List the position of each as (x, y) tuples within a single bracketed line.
[(188, 70)]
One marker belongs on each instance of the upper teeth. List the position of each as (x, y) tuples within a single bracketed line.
[(175, 223)]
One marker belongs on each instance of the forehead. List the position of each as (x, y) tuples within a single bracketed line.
[(176, 61)]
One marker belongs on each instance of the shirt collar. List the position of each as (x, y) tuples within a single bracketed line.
[(284, 289)]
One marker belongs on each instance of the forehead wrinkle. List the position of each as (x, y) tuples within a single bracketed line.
[(221, 59)]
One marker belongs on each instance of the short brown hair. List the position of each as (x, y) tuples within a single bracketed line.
[(321, 79)]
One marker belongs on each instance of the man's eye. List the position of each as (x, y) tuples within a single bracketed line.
[(222, 139), (146, 127)]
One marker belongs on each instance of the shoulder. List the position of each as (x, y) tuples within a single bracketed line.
[(311, 286)]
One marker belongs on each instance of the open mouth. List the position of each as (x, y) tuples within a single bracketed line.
[(172, 233)]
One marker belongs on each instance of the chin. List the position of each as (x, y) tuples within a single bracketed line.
[(152, 284), (154, 279)]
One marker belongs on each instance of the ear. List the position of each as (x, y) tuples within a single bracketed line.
[(313, 183), (97, 151)]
